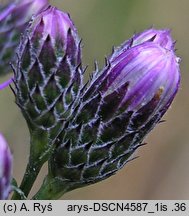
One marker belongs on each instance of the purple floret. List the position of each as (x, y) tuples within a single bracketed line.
[(5, 169)]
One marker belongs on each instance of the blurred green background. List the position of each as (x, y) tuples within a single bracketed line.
[(162, 171)]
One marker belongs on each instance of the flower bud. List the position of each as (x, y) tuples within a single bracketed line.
[(118, 109), (48, 76), (5, 169), (14, 17)]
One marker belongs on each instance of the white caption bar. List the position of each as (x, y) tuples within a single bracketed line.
[(95, 207)]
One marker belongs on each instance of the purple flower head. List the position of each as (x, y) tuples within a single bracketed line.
[(5, 168), (48, 75), (145, 69), (121, 105), (49, 67), (14, 18), (149, 70)]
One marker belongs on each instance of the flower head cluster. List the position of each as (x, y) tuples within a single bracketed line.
[(87, 133)]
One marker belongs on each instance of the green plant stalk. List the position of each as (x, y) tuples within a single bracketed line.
[(39, 154), (31, 173), (53, 189)]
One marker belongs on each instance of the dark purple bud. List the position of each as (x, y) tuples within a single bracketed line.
[(121, 105), (5, 169), (49, 68), (48, 74)]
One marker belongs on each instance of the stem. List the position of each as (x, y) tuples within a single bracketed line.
[(40, 149), (31, 173), (52, 189)]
